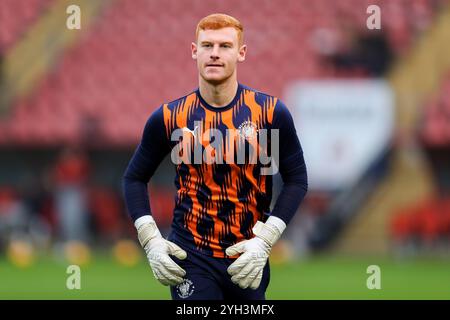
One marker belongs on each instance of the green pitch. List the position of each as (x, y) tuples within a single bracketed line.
[(315, 278)]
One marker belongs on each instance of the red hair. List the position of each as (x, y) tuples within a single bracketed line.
[(218, 21)]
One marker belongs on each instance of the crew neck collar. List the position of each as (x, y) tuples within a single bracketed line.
[(218, 109)]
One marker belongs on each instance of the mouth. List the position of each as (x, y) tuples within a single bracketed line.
[(214, 65)]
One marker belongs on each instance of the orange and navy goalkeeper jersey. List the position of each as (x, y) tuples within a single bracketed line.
[(219, 154)]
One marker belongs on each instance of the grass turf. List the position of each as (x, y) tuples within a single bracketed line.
[(315, 278)]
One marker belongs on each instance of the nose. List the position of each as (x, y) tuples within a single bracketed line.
[(215, 52)]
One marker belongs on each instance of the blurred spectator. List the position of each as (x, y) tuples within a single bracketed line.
[(70, 177), (13, 215), (106, 208), (353, 50), (433, 135), (370, 52), (422, 227), (439, 159)]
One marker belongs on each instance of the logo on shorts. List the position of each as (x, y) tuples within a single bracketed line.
[(247, 129), (185, 289)]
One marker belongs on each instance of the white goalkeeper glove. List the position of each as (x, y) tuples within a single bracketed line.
[(247, 270), (158, 249)]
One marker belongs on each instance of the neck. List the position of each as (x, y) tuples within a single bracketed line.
[(218, 95)]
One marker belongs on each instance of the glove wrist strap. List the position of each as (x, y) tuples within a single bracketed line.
[(270, 231), (146, 229)]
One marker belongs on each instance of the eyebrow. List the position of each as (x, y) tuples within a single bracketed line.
[(225, 42)]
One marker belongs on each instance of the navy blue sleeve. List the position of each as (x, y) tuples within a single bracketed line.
[(291, 165), (152, 149)]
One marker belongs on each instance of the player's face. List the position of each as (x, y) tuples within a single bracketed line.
[(217, 53)]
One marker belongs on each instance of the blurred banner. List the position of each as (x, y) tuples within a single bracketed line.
[(344, 125)]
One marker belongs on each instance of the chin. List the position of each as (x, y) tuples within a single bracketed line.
[(215, 79)]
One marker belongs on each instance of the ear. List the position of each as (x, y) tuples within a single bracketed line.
[(194, 50), (242, 53)]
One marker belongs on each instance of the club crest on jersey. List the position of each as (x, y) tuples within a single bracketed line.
[(185, 289), (247, 129)]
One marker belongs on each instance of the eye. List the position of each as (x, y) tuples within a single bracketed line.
[(226, 45), (207, 45)]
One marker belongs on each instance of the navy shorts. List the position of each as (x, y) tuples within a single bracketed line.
[(207, 279)]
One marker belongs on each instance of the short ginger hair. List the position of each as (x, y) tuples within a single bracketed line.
[(218, 21)]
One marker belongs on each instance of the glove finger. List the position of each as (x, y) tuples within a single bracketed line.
[(155, 274), (163, 270), (154, 263), (237, 265), (244, 272), (171, 267), (160, 277), (236, 248), (245, 282), (156, 259), (167, 277), (174, 280), (176, 251), (255, 284)]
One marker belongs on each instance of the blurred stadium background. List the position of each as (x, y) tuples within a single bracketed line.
[(372, 108)]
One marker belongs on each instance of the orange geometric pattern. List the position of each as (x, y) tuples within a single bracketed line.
[(218, 203)]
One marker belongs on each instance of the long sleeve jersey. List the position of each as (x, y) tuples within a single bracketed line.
[(221, 190)]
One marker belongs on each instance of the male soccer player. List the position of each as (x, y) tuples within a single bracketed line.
[(223, 229)]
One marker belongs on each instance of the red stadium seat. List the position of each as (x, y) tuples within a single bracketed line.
[(16, 17), (137, 55)]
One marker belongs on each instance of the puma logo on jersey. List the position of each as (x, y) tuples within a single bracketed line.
[(193, 132)]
